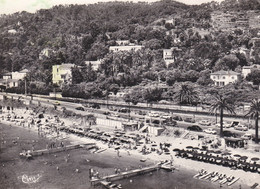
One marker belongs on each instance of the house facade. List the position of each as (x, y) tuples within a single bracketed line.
[(20, 75), (12, 79), (169, 55), (47, 52), (248, 69), (125, 48), (62, 74), (222, 77), (122, 42), (95, 64)]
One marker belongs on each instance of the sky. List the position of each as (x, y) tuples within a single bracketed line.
[(12, 6)]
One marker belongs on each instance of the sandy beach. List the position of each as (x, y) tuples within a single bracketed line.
[(70, 169)]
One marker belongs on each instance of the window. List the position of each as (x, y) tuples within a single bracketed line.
[(214, 77), (224, 77), (232, 77)]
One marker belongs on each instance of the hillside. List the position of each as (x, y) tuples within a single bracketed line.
[(205, 40)]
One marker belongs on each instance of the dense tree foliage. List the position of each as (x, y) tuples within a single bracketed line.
[(77, 33)]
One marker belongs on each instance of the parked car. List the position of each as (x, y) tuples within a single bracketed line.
[(166, 116), (177, 118), (80, 108), (234, 123), (107, 113), (247, 136), (156, 121), (210, 131), (189, 119), (171, 123), (195, 128), (253, 138), (241, 127), (229, 134), (205, 122)]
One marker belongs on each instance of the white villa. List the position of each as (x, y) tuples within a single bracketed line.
[(62, 73), (169, 56), (222, 77), (125, 48)]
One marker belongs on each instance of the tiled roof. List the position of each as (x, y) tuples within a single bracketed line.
[(24, 71), (7, 74), (222, 72), (67, 65)]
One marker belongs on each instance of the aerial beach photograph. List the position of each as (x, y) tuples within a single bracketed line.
[(157, 94)]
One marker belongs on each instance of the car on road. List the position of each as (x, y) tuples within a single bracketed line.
[(241, 128), (195, 128), (154, 114), (225, 125), (210, 131), (56, 103), (124, 110), (80, 108), (205, 122), (95, 106)]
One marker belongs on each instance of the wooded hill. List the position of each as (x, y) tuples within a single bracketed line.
[(77, 33)]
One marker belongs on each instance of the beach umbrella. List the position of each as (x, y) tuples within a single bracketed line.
[(196, 148), (176, 149), (237, 155), (243, 157), (217, 152), (189, 147), (254, 159), (226, 153)]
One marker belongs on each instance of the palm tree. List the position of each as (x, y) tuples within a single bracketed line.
[(186, 94), (254, 113), (221, 103)]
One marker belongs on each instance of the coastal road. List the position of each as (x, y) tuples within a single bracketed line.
[(133, 115)]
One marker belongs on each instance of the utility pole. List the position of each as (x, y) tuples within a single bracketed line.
[(25, 86)]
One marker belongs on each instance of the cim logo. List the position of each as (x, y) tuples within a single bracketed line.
[(30, 179)]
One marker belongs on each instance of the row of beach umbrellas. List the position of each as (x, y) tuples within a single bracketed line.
[(224, 153)]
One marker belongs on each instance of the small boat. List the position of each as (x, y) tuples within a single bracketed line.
[(202, 177), (223, 181), (233, 181), (26, 154), (254, 186), (143, 160), (109, 185), (214, 179)]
